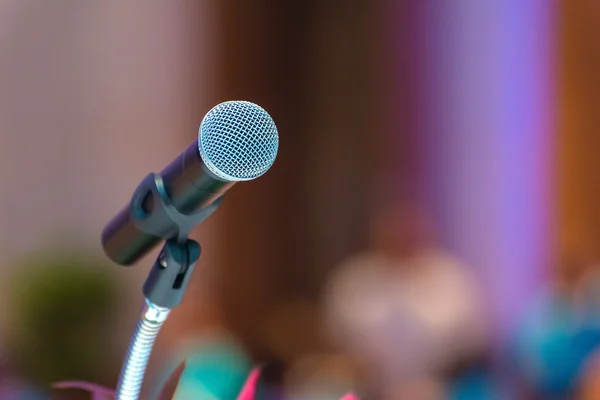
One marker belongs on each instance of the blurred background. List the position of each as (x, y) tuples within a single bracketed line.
[(430, 229)]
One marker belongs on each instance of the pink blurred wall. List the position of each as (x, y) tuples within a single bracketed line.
[(94, 96)]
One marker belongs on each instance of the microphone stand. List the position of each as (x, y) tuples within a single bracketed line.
[(168, 279)]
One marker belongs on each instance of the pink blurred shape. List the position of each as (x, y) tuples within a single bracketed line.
[(249, 390), (98, 392)]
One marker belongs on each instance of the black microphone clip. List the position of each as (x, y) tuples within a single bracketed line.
[(153, 213)]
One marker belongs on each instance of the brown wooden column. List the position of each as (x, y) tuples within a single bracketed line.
[(263, 243), (579, 133), (347, 121), (309, 64)]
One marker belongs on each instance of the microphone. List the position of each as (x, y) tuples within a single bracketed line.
[(237, 141)]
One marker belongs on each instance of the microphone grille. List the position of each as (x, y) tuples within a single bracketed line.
[(238, 141)]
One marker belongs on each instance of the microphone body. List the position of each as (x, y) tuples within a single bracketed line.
[(190, 188), (237, 141)]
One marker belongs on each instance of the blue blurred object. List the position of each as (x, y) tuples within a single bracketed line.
[(553, 346), (476, 385)]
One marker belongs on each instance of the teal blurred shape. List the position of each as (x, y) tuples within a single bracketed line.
[(216, 368)]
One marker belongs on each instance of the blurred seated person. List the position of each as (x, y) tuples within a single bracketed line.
[(406, 306)]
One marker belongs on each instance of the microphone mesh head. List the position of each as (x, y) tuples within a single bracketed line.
[(238, 141)]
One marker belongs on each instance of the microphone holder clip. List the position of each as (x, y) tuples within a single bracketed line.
[(168, 279), (164, 220)]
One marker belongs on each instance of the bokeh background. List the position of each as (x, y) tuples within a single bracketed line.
[(430, 229)]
